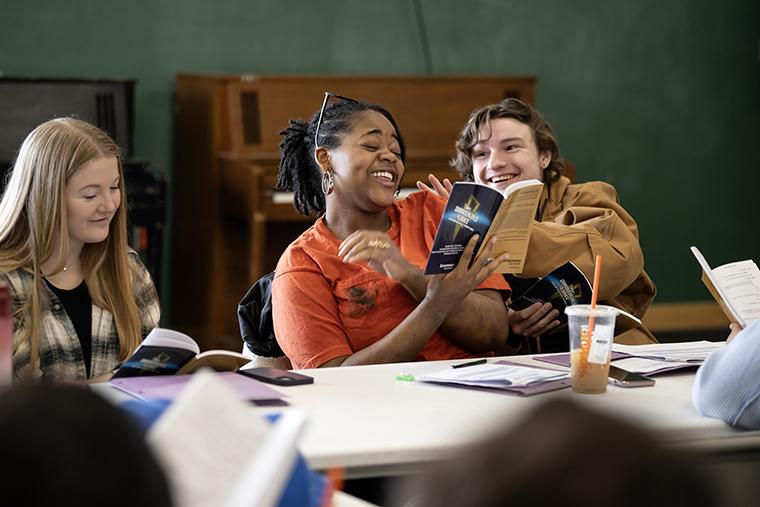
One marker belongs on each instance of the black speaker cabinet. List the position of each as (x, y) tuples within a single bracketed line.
[(27, 102)]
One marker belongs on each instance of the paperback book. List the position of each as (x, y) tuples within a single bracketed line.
[(168, 352), (474, 208)]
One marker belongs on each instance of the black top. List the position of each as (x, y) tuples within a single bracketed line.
[(518, 285), (77, 304)]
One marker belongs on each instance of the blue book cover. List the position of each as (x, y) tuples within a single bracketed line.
[(474, 208), (154, 360), (564, 286), (166, 352), (471, 209)]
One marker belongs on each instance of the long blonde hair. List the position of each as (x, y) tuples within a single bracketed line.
[(33, 220)]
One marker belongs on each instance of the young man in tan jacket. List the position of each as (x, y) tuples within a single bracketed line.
[(509, 142)]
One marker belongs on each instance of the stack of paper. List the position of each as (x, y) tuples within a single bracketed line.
[(649, 367), (501, 375), (651, 359), (662, 357), (684, 352)]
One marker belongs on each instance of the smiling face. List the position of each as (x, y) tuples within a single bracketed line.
[(367, 166), (507, 153), (92, 198)]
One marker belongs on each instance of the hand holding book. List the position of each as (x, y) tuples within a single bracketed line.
[(562, 287), (472, 209), (469, 273), (169, 352), (735, 287), (535, 320)]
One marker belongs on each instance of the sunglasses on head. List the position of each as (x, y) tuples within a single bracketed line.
[(322, 111)]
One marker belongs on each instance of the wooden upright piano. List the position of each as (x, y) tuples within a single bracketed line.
[(230, 226)]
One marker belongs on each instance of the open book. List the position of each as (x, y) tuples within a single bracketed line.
[(735, 286), (473, 208), (563, 287), (166, 352), (217, 451)]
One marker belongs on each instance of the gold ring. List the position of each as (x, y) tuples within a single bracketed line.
[(376, 243)]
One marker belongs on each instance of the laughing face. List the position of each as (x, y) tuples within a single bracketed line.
[(506, 153), (367, 166), (92, 198)]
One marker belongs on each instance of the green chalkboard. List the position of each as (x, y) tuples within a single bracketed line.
[(662, 99)]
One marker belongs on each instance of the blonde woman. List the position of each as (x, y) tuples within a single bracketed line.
[(82, 301)]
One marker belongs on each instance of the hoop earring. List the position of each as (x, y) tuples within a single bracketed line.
[(397, 193), (328, 183)]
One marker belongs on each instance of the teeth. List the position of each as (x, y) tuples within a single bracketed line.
[(382, 174), (504, 177)]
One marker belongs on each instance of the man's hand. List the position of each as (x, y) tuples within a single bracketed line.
[(535, 320)]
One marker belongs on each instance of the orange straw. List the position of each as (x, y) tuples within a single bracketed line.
[(586, 343), (594, 293), (336, 476)]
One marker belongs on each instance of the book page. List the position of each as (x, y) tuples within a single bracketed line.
[(263, 479), (161, 337), (513, 224), (740, 282), (205, 441), (717, 292)]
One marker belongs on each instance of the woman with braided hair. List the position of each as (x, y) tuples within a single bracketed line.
[(350, 290)]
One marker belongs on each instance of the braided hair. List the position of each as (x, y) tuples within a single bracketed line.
[(299, 171)]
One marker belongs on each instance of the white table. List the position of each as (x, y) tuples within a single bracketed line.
[(364, 420)]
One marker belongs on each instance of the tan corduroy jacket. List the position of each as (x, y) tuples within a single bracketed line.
[(578, 221)]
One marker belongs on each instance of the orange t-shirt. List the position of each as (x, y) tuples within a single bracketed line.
[(325, 308)]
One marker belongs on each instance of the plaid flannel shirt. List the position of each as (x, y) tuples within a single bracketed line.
[(61, 357)]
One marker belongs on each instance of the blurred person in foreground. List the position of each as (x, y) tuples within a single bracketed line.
[(566, 455)]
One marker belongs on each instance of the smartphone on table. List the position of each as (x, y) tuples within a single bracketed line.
[(625, 378), (277, 376)]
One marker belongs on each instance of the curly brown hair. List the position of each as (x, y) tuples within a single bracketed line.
[(520, 111)]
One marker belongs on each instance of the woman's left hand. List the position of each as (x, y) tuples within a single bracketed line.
[(378, 251), (467, 275)]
